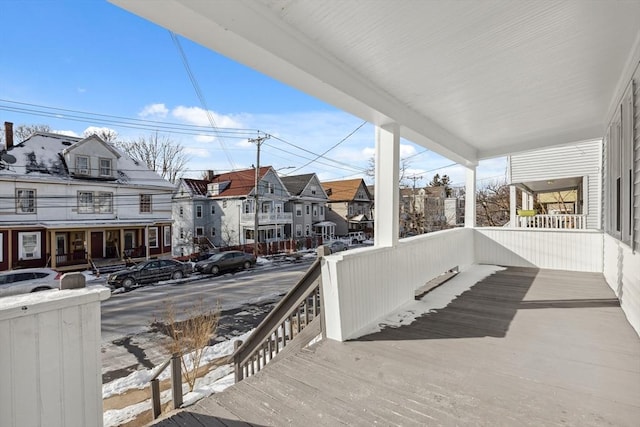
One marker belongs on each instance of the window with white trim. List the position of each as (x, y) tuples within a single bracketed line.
[(25, 200), (29, 245), (85, 202), (182, 233), (198, 211), (105, 167), (181, 211), (298, 230), (105, 202), (213, 232), (298, 210), (619, 170), (213, 209), (307, 209), (145, 203), (167, 235), (199, 231), (82, 165), (313, 189), (153, 237)]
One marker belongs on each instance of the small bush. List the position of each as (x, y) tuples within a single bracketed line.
[(190, 336)]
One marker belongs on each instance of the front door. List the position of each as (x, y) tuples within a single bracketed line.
[(61, 248), (97, 245)]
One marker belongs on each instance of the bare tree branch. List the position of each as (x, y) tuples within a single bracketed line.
[(158, 153)]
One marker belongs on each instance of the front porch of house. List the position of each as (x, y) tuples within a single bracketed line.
[(524, 346)]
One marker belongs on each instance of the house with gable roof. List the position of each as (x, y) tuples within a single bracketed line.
[(307, 205), (350, 205), (221, 210), (78, 202)]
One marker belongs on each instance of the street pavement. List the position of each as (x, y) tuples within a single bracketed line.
[(131, 339)]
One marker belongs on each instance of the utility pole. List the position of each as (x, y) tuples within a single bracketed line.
[(414, 216), (256, 223)]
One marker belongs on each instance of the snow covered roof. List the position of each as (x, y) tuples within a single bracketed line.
[(42, 156)]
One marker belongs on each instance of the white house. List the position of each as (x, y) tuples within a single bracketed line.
[(221, 209), (70, 202), (563, 182)]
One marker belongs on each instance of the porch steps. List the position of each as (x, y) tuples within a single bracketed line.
[(434, 283)]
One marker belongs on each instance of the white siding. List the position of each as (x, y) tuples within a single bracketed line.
[(622, 272), (50, 361), (580, 159), (575, 250), (363, 285)]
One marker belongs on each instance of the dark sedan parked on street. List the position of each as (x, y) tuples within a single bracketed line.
[(226, 261), (148, 272)]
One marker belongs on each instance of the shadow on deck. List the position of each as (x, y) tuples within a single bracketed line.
[(521, 347)]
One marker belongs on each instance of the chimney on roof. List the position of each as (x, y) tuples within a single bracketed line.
[(210, 175), (8, 135)]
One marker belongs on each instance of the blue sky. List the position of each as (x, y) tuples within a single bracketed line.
[(90, 56)]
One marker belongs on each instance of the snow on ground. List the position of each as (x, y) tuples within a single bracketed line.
[(263, 261), (438, 298), (140, 379)]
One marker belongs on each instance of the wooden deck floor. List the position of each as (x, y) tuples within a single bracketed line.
[(522, 347)]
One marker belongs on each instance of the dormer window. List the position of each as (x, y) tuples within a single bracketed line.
[(105, 167), (82, 165)]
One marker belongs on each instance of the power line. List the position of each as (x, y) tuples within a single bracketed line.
[(196, 87), (127, 122), (332, 147)]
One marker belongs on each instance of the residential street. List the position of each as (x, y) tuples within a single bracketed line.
[(130, 342)]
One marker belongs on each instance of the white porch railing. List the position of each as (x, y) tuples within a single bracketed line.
[(268, 218), (50, 358), (566, 221), (361, 286)]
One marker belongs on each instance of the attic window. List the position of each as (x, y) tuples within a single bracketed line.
[(313, 189), (105, 167), (82, 165)]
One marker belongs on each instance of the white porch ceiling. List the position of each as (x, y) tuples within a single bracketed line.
[(467, 79)]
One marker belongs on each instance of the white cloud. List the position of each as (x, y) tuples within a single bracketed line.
[(154, 110), (199, 117), (407, 150), (197, 152), (204, 138), (66, 132), (81, 90)]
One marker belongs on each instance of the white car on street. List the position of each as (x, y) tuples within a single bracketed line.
[(27, 280)]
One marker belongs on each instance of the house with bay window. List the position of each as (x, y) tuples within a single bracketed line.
[(220, 210), (71, 203)]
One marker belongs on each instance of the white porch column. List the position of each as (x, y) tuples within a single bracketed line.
[(470, 197), (512, 206), (387, 174)]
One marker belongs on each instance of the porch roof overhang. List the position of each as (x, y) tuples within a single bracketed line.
[(75, 225), (469, 80), (549, 185)]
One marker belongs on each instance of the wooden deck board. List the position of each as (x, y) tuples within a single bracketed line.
[(522, 347)]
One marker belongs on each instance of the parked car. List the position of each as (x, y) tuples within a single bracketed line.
[(148, 272), (338, 246), (28, 280), (226, 261), (357, 237)]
